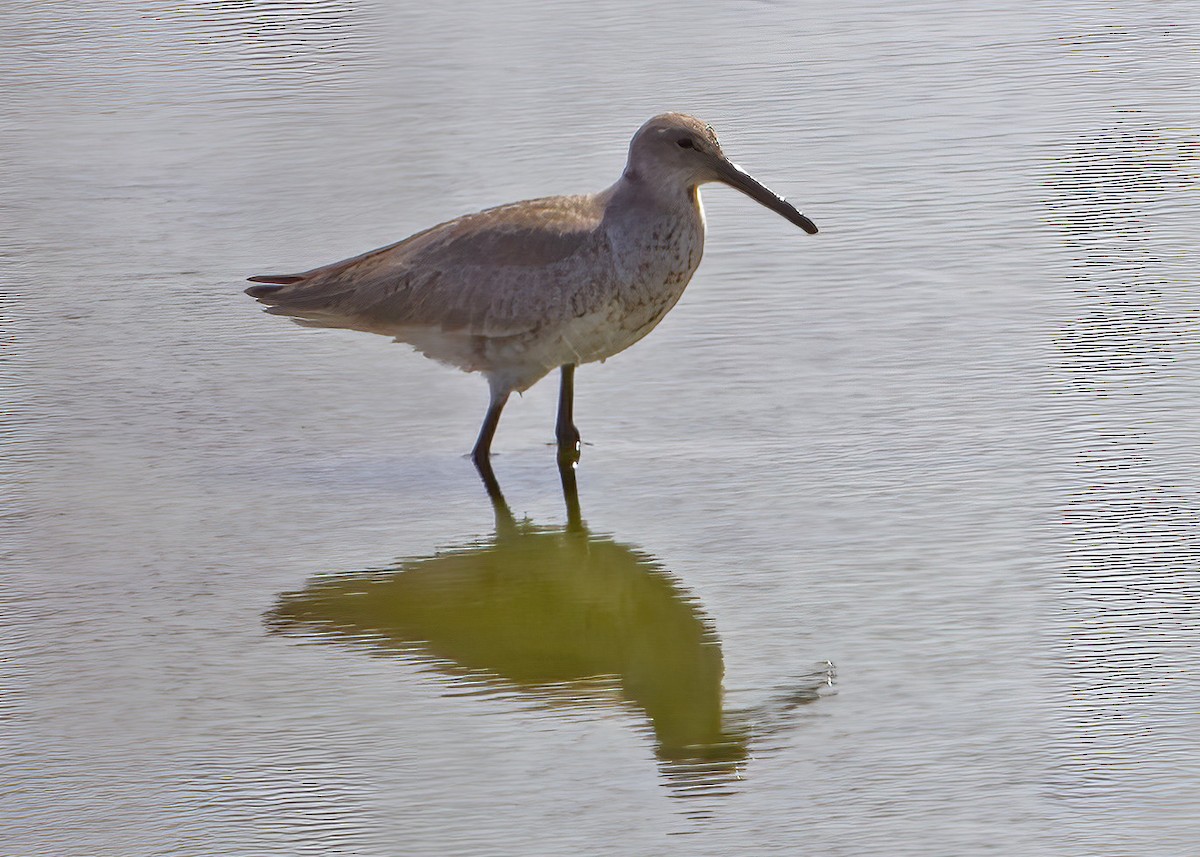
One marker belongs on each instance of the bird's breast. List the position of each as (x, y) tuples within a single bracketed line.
[(658, 263), (653, 266)]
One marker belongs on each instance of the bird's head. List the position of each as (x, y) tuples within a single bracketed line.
[(675, 149)]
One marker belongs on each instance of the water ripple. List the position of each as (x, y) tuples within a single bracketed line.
[(1129, 584)]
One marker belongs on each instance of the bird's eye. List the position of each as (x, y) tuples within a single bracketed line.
[(687, 143)]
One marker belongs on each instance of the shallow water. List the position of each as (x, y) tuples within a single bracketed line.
[(888, 538)]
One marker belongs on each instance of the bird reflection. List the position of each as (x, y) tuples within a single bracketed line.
[(564, 616)]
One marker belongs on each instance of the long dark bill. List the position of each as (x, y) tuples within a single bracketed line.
[(736, 177)]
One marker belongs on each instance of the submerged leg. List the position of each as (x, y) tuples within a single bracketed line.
[(504, 516), (565, 431), (483, 444), (566, 472)]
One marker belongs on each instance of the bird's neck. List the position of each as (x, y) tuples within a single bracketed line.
[(635, 190)]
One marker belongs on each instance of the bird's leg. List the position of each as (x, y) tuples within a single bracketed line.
[(483, 444), (565, 431)]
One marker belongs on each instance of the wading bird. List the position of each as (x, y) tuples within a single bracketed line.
[(516, 291)]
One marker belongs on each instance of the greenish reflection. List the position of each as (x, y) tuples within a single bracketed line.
[(559, 613)]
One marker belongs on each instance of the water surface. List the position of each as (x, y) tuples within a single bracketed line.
[(886, 539)]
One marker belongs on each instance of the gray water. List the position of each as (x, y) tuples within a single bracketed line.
[(889, 538)]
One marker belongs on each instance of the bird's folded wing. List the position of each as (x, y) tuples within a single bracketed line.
[(502, 272)]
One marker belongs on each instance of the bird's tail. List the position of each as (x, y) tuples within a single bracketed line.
[(273, 283), (306, 299)]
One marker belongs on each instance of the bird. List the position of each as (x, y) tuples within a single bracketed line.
[(517, 291)]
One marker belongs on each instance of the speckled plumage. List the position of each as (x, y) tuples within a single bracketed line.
[(516, 291)]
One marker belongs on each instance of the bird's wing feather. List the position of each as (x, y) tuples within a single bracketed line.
[(500, 272)]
